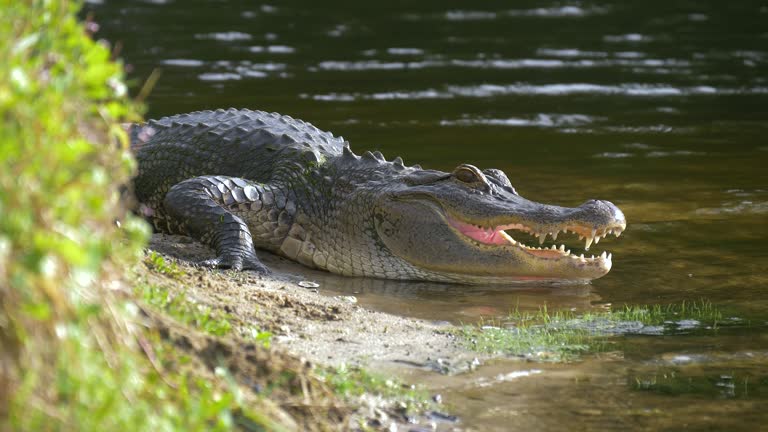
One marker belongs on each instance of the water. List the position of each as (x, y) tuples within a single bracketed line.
[(658, 106)]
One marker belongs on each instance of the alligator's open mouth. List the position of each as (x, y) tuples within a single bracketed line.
[(498, 235)]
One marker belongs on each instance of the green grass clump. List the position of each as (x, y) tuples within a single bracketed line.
[(700, 310), (352, 382), (565, 335), (203, 318), (154, 261), (543, 341), (187, 311)]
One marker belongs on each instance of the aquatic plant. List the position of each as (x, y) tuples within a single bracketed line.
[(565, 335)]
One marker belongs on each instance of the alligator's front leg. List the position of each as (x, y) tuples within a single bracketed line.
[(231, 215)]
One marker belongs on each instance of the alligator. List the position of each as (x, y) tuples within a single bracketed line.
[(238, 179)]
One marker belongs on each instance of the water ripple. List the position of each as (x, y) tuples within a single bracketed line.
[(225, 70), (463, 15), (540, 120), (212, 76), (552, 12), (496, 90), (182, 62), (630, 60), (629, 37), (739, 207), (371, 65), (570, 52), (272, 49), (224, 36), (562, 11), (405, 51)]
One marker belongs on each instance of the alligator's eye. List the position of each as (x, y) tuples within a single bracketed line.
[(469, 174), (466, 175)]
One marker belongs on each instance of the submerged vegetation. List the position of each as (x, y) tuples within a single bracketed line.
[(717, 382), (564, 335)]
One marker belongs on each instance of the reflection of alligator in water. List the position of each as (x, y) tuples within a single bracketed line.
[(239, 179)]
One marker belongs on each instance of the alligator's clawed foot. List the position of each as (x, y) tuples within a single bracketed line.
[(237, 262)]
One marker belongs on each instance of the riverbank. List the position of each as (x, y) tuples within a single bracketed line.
[(330, 330), (351, 348)]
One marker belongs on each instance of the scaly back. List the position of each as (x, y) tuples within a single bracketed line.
[(241, 143)]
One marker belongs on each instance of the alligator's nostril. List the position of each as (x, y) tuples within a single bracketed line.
[(590, 202)]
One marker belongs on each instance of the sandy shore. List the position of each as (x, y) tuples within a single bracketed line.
[(306, 322)]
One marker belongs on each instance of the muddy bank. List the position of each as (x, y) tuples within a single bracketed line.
[(309, 323)]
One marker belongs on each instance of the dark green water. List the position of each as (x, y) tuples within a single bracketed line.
[(658, 106)]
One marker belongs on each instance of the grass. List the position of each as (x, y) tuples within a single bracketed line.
[(154, 261), (564, 335), (699, 310), (203, 318), (186, 311), (356, 382), (189, 312)]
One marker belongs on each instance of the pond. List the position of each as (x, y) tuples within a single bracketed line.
[(658, 106)]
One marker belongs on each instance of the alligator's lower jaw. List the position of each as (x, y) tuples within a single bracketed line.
[(498, 236)]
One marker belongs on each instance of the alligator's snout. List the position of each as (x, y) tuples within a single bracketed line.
[(601, 212), (604, 207)]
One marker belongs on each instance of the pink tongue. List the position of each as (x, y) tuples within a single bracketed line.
[(483, 235)]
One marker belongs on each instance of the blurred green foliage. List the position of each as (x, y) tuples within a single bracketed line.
[(69, 331)]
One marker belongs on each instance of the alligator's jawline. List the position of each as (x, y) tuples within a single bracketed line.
[(498, 237)]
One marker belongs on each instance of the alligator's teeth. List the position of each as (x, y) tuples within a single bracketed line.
[(553, 247), (603, 255), (506, 237), (554, 236), (597, 239), (542, 237), (582, 256), (588, 243), (610, 255), (562, 248)]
